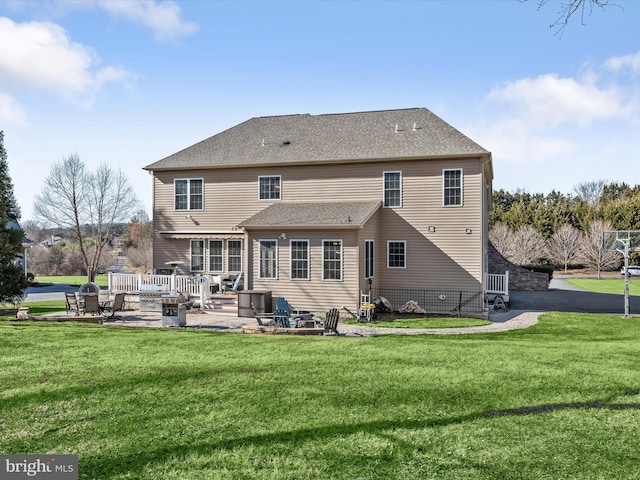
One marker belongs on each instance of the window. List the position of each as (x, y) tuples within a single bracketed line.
[(268, 258), (396, 254), (299, 259), (452, 187), (269, 188), (368, 259), (188, 194), (215, 256), (197, 255), (234, 255), (392, 189), (332, 260)]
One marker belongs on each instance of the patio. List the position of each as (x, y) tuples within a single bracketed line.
[(503, 321)]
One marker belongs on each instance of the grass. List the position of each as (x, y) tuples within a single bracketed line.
[(605, 285), (560, 399), (102, 280)]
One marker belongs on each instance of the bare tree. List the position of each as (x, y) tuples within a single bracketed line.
[(590, 192), (501, 237), (89, 204), (592, 252), (141, 254), (570, 8), (564, 246), (528, 246)]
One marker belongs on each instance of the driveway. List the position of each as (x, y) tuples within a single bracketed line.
[(564, 297), (55, 291)]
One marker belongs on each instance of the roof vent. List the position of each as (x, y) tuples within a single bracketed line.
[(415, 127), (286, 142), (398, 129)]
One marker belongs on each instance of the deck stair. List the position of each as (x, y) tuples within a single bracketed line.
[(219, 303)]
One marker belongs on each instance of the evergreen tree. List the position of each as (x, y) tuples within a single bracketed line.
[(13, 281)]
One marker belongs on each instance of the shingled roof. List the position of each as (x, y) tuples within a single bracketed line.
[(304, 139), (313, 215)]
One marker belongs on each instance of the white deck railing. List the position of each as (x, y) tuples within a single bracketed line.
[(196, 285), (497, 284)]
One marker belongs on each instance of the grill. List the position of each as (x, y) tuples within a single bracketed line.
[(174, 311), (150, 298)]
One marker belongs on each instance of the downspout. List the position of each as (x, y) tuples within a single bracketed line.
[(486, 201)]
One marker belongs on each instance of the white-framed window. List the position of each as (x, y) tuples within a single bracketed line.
[(268, 258), (396, 254), (197, 255), (368, 259), (269, 187), (452, 187), (216, 255), (299, 259), (332, 259), (392, 189), (234, 255), (188, 193)]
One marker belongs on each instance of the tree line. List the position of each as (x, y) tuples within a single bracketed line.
[(56, 251), (564, 229)]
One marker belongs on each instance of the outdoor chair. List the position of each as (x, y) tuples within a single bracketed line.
[(331, 321), (72, 303), (114, 307), (282, 313), (367, 309), (232, 284), (263, 319), (92, 305)]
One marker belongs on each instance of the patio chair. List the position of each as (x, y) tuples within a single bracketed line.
[(116, 306), (72, 303), (331, 321), (282, 313), (367, 309), (92, 305), (263, 319), (232, 285)]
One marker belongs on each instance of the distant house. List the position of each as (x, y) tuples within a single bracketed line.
[(317, 208)]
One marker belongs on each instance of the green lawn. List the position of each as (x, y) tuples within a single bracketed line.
[(606, 285), (558, 400), (102, 280)]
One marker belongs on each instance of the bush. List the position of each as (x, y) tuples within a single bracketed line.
[(548, 269)]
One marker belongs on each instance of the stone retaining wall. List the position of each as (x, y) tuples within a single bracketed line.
[(519, 278)]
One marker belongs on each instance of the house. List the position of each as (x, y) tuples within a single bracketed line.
[(318, 208)]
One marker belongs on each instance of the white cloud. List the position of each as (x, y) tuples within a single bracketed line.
[(548, 100), (40, 56), (164, 18), (10, 111), (553, 132), (632, 62)]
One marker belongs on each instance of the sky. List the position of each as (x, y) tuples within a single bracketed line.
[(130, 82)]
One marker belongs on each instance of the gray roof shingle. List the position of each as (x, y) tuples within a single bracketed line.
[(313, 215), (304, 139)]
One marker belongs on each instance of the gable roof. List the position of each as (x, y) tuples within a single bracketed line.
[(313, 215), (304, 139)]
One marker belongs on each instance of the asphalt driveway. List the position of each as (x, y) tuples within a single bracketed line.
[(564, 297)]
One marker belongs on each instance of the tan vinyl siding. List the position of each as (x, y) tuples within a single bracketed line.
[(314, 294), (449, 258)]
